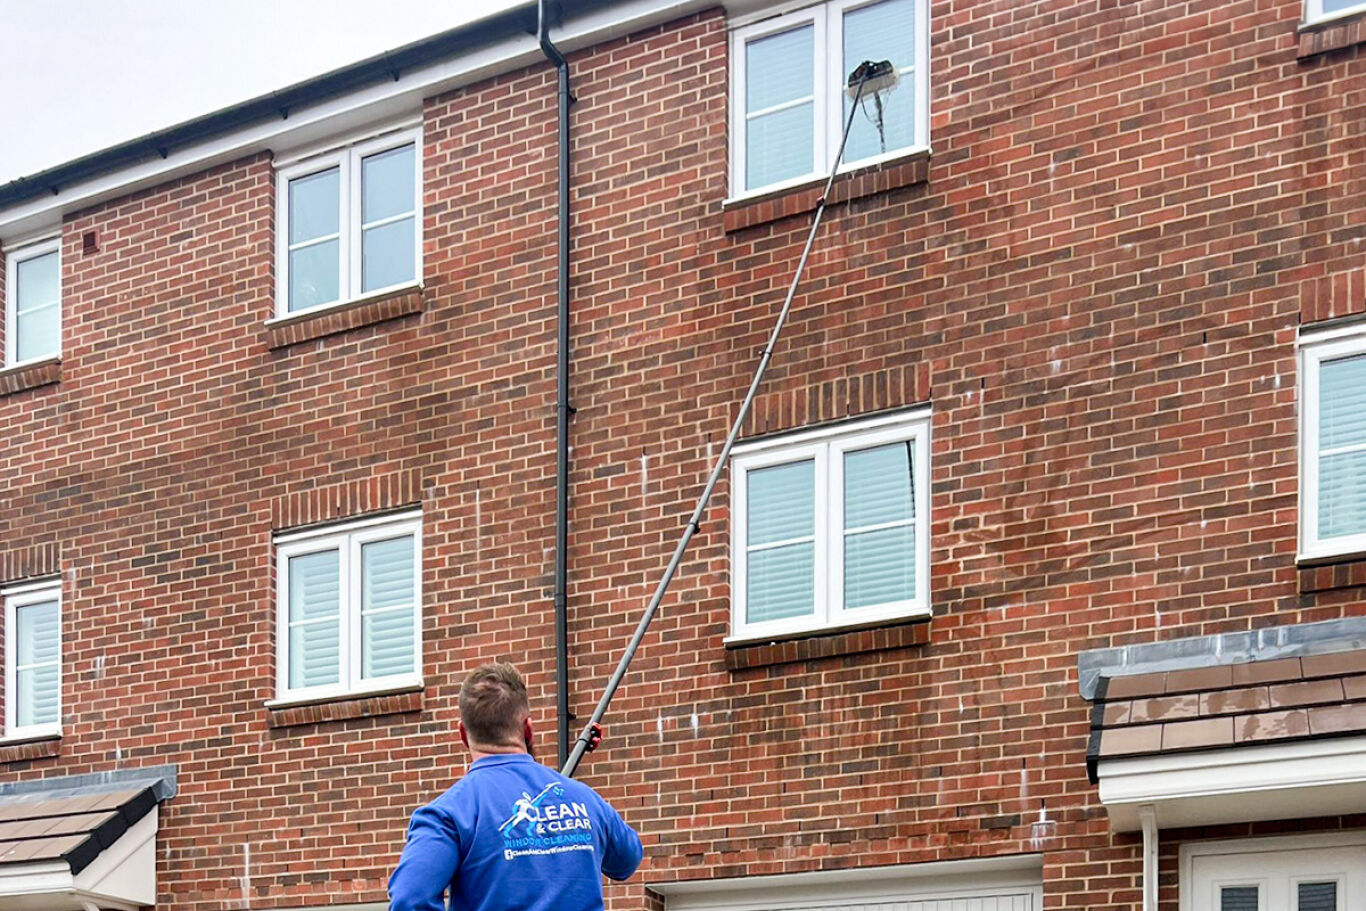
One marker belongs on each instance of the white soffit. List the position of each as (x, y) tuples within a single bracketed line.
[(1240, 784), (122, 878), (1015, 873)]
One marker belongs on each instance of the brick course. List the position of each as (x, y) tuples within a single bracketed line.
[(1130, 208)]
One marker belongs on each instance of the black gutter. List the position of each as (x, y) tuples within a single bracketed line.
[(385, 67), (562, 408)]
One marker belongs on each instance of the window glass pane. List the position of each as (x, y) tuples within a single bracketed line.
[(37, 333), (387, 255), (315, 631), (314, 275), (1238, 898), (37, 693), (1342, 402), (881, 31), (780, 68), (387, 583), (37, 280), (387, 184), (779, 146), (314, 205), (1337, 6), (36, 633), (1342, 494), (877, 485), (879, 566), (780, 583), (1317, 897), (782, 502), (37, 688)]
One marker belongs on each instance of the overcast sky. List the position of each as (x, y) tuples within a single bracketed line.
[(87, 74)]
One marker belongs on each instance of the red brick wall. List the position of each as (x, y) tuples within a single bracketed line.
[(1129, 209)]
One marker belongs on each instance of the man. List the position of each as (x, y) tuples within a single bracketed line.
[(512, 835)]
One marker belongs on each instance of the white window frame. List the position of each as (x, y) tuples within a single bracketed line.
[(347, 159), (828, 106), (346, 539), (824, 446), (17, 596), (13, 258), (1314, 349), (1314, 14)]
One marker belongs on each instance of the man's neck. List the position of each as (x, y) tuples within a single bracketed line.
[(483, 751)]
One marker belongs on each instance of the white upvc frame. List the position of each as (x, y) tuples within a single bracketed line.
[(13, 257), (1314, 349), (38, 591), (1314, 14), (825, 446), (1317, 842), (347, 539), (347, 160), (828, 108)]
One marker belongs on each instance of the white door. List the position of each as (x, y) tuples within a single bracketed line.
[(1294, 879)]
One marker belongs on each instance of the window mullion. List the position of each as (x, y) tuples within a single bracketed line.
[(351, 247)]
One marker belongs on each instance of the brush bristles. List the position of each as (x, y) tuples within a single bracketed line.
[(875, 78)]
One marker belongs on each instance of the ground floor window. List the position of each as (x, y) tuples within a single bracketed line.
[(1298, 873)]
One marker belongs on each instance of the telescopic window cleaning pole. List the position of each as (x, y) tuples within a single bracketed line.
[(876, 77)]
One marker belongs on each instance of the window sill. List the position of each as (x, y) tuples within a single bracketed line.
[(1334, 34), (287, 713), (289, 330), (24, 749), (30, 376), (828, 644), (1329, 573), (892, 174)]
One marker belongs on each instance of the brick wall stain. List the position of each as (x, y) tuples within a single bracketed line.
[(1130, 208)]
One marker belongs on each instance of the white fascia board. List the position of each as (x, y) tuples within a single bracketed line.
[(123, 876), (1238, 784), (841, 888), (344, 114)]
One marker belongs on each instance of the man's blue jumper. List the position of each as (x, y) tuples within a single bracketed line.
[(513, 835)]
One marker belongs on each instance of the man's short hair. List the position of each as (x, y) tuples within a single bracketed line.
[(493, 702)]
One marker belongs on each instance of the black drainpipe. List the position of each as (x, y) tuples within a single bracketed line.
[(562, 409)]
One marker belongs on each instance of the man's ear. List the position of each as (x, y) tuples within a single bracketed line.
[(528, 732), (464, 735)]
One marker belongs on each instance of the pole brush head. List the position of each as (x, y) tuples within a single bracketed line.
[(872, 78)]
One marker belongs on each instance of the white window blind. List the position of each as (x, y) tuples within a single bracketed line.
[(350, 613), (1342, 447), (831, 527)]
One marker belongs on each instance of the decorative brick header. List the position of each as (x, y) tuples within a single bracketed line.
[(843, 397), (343, 709), (1337, 575), (309, 326), (30, 750), (878, 178), (1331, 36), (879, 639), (30, 376), (1333, 296), (347, 500), (29, 562)]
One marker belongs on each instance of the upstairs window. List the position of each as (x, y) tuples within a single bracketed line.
[(350, 223), (831, 527), (1323, 10), (788, 75), (1333, 443), (33, 303), (33, 660), (350, 616)]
